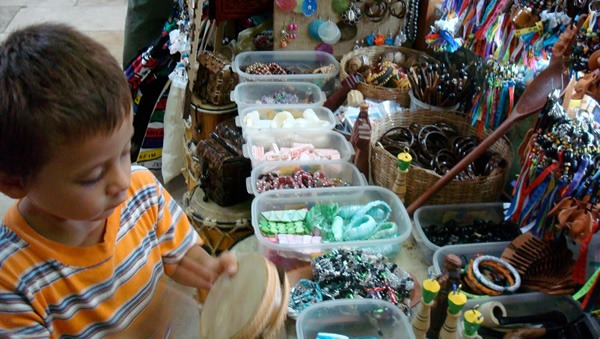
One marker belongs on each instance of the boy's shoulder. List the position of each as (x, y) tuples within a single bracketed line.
[(141, 176)]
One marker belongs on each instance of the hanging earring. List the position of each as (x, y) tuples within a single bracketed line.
[(353, 15), (313, 29), (376, 10), (340, 6), (370, 39), (286, 5), (398, 9), (285, 37), (390, 39), (379, 39), (329, 32), (292, 28), (309, 7)]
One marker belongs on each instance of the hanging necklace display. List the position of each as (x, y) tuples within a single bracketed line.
[(587, 40), (496, 97), (556, 192), (410, 26)]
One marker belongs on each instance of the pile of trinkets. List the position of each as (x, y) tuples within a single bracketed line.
[(280, 97), (438, 147), (299, 179), (451, 232), (330, 222), (273, 68), (344, 273)]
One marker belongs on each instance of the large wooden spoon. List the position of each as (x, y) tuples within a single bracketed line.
[(532, 100)]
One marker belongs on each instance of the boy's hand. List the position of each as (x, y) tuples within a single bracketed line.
[(227, 263), (198, 269)]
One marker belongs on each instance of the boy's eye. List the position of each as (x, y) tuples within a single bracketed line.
[(89, 182)]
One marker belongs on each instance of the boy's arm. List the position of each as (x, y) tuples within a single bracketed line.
[(198, 269)]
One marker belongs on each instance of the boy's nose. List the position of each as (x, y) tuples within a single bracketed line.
[(119, 180)]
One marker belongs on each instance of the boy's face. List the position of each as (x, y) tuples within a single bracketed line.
[(85, 180)]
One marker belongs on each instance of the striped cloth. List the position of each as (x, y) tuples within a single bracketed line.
[(49, 289)]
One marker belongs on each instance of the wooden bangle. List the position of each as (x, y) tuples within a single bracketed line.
[(475, 285), (483, 280)]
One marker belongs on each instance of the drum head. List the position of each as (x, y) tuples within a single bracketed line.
[(220, 215), (234, 302)]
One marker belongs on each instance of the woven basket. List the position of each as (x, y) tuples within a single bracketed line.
[(384, 165), (374, 53)]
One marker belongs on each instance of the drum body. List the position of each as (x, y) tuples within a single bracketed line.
[(206, 117), (219, 227)]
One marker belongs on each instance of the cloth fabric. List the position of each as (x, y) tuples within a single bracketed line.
[(49, 289), (144, 23)]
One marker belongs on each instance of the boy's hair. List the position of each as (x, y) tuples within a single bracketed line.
[(57, 85)]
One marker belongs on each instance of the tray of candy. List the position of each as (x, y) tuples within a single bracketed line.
[(293, 225), (280, 175), (268, 117), (296, 145)]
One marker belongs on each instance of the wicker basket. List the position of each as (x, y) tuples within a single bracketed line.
[(378, 92), (384, 165)]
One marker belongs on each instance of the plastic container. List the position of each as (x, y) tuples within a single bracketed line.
[(291, 256), (464, 214), (326, 118), (418, 104), (466, 252), (250, 94), (354, 318), (286, 137), (302, 63), (341, 170)]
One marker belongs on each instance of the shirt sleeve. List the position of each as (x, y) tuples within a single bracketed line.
[(175, 233)]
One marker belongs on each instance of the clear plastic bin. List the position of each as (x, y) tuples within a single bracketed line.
[(266, 113), (250, 93), (287, 137), (302, 63), (464, 214), (466, 251), (368, 318), (341, 170), (291, 256)]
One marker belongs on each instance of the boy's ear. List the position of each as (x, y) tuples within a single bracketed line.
[(12, 186)]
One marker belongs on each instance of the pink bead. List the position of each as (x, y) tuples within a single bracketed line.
[(293, 36)]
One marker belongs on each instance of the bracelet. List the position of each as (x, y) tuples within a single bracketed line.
[(475, 285), (500, 263)]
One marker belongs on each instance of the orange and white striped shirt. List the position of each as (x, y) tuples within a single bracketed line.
[(48, 289)]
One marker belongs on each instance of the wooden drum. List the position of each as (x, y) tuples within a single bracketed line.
[(205, 117), (219, 227)]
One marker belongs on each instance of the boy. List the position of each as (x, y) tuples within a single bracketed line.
[(86, 249)]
